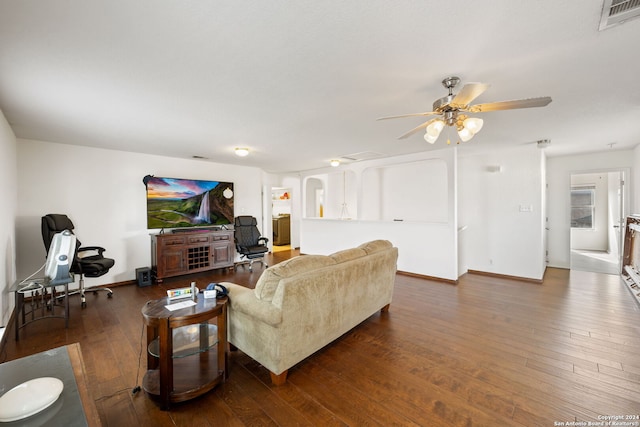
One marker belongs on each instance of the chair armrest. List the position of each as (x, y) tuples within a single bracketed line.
[(244, 300), (98, 249), (264, 240)]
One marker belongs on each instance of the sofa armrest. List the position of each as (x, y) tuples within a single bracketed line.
[(244, 300)]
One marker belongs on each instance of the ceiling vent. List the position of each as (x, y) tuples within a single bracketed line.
[(616, 12), (363, 155)]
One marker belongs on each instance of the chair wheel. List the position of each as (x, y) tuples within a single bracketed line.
[(83, 304), (109, 294)]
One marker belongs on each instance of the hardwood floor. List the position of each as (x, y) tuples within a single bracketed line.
[(485, 352)]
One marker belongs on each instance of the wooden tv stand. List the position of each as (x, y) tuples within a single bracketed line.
[(185, 252)]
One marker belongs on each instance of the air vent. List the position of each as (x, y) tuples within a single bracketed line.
[(616, 12), (363, 155)]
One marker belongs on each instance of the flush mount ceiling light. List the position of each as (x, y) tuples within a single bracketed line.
[(242, 152), (543, 143), (451, 109), (334, 163)]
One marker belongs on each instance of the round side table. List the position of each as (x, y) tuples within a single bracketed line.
[(186, 352)]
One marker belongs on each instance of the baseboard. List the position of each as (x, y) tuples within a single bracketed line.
[(115, 284), (423, 276), (505, 276)]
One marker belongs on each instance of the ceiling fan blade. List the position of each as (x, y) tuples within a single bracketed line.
[(416, 129), (467, 94), (510, 105), (428, 113)]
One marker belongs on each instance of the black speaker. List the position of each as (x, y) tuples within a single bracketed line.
[(143, 275)]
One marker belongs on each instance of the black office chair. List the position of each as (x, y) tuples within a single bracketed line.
[(249, 243), (88, 261)]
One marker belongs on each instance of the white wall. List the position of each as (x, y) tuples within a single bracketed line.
[(559, 170), (426, 246), (103, 194), (501, 211), (8, 209), (389, 192)]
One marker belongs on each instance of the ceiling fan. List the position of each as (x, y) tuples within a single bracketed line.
[(451, 109)]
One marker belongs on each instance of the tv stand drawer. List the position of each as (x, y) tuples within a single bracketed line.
[(172, 241), (199, 239)]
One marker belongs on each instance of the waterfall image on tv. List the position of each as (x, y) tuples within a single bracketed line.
[(174, 203)]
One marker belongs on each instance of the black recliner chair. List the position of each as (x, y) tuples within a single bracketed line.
[(88, 260), (249, 243)]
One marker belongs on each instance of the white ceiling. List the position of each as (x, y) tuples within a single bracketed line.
[(302, 82)]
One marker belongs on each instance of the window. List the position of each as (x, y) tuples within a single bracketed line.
[(583, 199)]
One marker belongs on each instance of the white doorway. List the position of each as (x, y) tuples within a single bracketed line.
[(281, 218), (597, 205)]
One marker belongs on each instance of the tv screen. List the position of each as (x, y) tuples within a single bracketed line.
[(174, 203)]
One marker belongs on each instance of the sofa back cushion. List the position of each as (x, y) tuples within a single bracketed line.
[(375, 246), (268, 282), (347, 255)]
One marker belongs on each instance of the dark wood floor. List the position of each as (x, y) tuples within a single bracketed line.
[(485, 352)]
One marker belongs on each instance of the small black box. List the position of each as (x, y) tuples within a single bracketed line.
[(143, 275)]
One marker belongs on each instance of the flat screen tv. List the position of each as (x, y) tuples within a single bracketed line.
[(177, 203)]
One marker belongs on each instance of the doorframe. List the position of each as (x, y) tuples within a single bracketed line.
[(625, 202), (290, 192)]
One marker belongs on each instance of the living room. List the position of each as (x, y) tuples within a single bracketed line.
[(495, 221), (503, 211)]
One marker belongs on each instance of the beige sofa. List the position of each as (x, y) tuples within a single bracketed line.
[(306, 302)]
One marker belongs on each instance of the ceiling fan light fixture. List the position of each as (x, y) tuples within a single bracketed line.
[(464, 134), (430, 138), (452, 107), (474, 124), (435, 127)]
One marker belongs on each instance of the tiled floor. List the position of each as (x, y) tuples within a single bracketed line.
[(595, 261)]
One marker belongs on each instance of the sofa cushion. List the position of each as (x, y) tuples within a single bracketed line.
[(268, 282), (375, 246), (347, 254)]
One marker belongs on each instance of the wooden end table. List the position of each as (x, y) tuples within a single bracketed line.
[(186, 352)]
